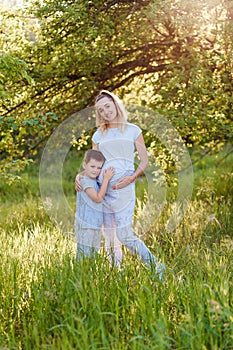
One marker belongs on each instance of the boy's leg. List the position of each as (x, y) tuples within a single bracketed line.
[(84, 251), (112, 244), (88, 242)]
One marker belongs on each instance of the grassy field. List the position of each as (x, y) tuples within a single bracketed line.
[(49, 301)]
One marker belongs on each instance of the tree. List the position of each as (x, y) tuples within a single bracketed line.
[(15, 128), (195, 91), (175, 55)]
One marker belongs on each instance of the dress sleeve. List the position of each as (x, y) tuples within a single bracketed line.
[(96, 136), (135, 131), (138, 131)]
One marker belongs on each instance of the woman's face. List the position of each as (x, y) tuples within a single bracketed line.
[(107, 110)]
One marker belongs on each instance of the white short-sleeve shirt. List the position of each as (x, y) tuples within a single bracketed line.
[(118, 148)]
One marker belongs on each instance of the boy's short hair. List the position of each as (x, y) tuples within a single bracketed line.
[(94, 154)]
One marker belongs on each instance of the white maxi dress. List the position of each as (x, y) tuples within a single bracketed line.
[(118, 148)]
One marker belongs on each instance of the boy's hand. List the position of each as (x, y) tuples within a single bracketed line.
[(108, 174)]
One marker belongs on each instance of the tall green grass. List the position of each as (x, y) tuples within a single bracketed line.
[(51, 301)]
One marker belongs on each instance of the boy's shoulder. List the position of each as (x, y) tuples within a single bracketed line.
[(87, 182)]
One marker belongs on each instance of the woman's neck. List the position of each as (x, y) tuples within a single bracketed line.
[(112, 125)]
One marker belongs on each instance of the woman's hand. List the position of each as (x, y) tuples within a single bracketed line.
[(78, 186), (123, 182)]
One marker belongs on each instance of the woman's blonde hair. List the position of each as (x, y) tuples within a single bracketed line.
[(121, 111)]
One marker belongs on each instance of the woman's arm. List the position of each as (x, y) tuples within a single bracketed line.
[(78, 185), (143, 156), (94, 146)]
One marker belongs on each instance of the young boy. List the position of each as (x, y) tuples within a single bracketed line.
[(89, 209)]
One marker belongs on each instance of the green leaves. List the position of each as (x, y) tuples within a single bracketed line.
[(174, 57), (12, 69)]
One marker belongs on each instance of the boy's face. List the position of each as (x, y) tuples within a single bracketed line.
[(92, 168)]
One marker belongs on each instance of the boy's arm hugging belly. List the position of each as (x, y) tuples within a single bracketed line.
[(122, 168)]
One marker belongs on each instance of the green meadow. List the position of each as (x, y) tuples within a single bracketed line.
[(49, 301)]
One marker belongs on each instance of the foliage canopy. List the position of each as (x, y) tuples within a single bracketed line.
[(174, 57)]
